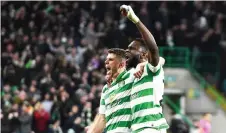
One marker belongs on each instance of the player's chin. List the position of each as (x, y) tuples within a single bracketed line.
[(108, 72)]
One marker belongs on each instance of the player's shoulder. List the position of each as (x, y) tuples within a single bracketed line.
[(129, 73), (104, 88), (155, 69), (130, 70)]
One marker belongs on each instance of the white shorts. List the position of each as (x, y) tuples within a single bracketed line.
[(149, 130)]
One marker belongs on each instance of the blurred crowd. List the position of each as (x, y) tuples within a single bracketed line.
[(202, 125), (53, 53)]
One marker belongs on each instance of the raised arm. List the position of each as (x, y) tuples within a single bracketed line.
[(146, 34), (150, 43)]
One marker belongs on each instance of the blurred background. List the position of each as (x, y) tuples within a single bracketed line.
[(52, 62)]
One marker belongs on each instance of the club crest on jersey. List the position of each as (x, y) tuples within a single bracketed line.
[(112, 97), (121, 84)]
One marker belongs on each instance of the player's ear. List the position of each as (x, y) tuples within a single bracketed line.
[(122, 64), (144, 55)]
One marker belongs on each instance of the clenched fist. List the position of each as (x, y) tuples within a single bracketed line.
[(128, 12)]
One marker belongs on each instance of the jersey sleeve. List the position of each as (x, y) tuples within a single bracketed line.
[(156, 68), (102, 107)]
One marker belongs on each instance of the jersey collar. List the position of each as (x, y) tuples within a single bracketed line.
[(119, 77)]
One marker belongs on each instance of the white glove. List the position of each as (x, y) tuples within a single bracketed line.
[(129, 13)]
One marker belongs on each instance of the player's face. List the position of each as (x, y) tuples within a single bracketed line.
[(133, 54), (133, 47), (112, 63)]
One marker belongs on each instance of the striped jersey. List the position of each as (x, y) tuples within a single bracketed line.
[(159, 85), (145, 99), (115, 103)]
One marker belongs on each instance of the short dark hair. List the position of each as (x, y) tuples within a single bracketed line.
[(121, 53), (143, 45), (141, 40)]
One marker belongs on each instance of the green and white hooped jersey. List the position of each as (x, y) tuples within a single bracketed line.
[(145, 99), (115, 103)]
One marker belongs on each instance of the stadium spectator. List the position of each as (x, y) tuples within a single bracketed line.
[(178, 125), (55, 128), (205, 123), (25, 120), (196, 127), (41, 119)]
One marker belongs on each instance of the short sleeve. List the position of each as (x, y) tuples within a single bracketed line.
[(155, 68)]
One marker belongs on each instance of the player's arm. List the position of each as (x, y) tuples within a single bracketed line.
[(140, 67), (99, 122), (150, 43), (146, 34), (98, 125)]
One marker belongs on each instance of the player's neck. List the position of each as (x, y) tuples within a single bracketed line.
[(143, 60), (120, 70)]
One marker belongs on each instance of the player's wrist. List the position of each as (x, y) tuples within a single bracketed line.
[(135, 19)]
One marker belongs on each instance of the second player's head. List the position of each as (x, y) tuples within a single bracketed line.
[(115, 61), (136, 53)]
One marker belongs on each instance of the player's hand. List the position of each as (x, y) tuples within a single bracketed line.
[(139, 70), (129, 13), (138, 74), (87, 129)]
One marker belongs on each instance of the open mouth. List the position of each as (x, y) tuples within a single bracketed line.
[(108, 68), (128, 55)]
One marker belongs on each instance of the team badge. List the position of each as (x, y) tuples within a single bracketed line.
[(121, 84), (112, 97)]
